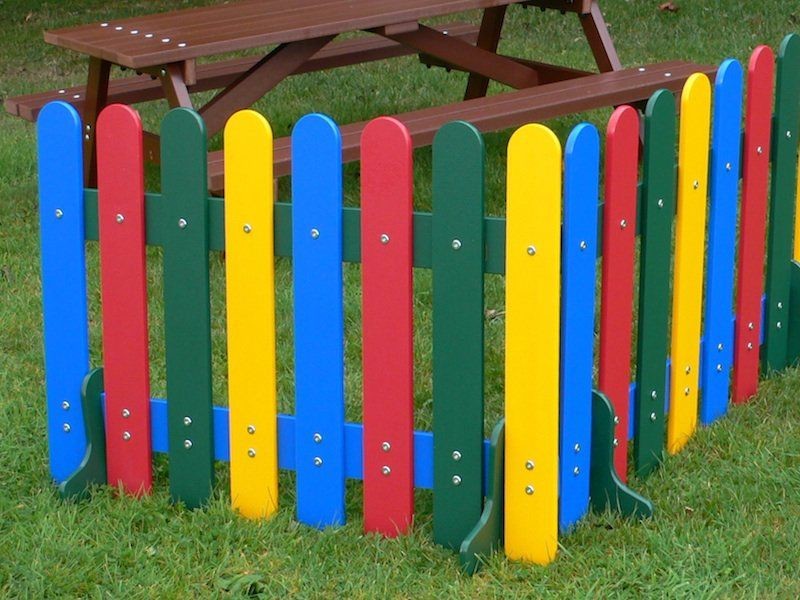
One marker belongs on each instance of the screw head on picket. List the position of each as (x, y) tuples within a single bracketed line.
[(66, 427), (386, 446), (696, 184), (749, 345), (247, 228), (456, 244), (728, 166), (720, 347), (654, 395), (688, 369), (584, 245), (780, 305), (531, 250), (456, 455), (187, 444), (623, 224), (384, 238), (778, 324), (576, 471), (751, 326), (251, 452), (126, 413), (760, 150), (314, 234), (653, 417), (577, 448), (719, 368), (386, 470), (120, 218), (317, 461), (126, 435), (616, 420), (182, 223), (59, 213), (687, 391), (529, 490), (187, 421), (317, 437), (65, 405), (456, 480), (616, 442), (529, 464), (251, 429), (660, 203)]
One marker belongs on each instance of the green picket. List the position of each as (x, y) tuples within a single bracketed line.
[(187, 312), (782, 205), (457, 262), (657, 211)]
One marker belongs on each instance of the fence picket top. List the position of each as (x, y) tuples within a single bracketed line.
[(64, 298), (458, 340), (657, 212), (318, 320), (579, 252), (187, 312)]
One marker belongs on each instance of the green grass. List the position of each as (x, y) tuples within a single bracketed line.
[(727, 518)]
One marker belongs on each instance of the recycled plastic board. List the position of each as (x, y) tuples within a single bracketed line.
[(187, 313), (619, 240), (318, 320), (250, 303), (753, 225), (123, 285), (66, 325), (387, 321), (533, 263), (579, 252), (717, 357), (657, 211), (690, 227), (458, 350), (781, 208)]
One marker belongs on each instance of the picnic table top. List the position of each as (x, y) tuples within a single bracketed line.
[(158, 39)]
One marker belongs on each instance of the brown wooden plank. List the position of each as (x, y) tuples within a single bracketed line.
[(216, 75), (510, 109), (596, 31), (488, 39), (196, 32)]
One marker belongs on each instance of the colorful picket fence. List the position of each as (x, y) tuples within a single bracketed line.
[(563, 444)]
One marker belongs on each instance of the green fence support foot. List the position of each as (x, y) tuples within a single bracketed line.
[(605, 488), (793, 352), (487, 535), (92, 470)]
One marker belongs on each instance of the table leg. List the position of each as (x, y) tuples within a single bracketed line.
[(174, 84), (488, 39), (96, 99), (596, 31)]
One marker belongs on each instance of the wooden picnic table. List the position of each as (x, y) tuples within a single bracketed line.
[(164, 47)]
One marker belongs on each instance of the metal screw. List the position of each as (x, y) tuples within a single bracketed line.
[(688, 369), (760, 150), (120, 218), (187, 444), (584, 245), (529, 465), (187, 421), (87, 137), (780, 305), (728, 166), (456, 455), (386, 470), (750, 345), (317, 461), (616, 420), (660, 203), (788, 134), (751, 326), (531, 250), (251, 429), (577, 448), (576, 471), (182, 223), (778, 325), (456, 480), (59, 213), (654, 394), (126, 413), (623, 224), (687, 391), (667, 74), (126, 435), (456, 244), (65, 405), (251, 452), (719, 368), (66, 428), (384, 238), (386, 446), (529, 490), (720, 347), (314, 234), (317, 437), (653, 417), (696, 184), (616, 442), (247, 228)]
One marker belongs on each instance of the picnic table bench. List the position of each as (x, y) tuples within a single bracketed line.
[(162, 49)]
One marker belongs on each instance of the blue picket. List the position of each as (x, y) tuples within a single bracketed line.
[(66, 326), (581, 185), (716, 365), (318, 320)]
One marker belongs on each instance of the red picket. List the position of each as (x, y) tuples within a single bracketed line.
[(387, 296), (124, 298), (750, 284), (619, 237)]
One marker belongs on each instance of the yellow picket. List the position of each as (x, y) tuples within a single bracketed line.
[(797, 217), (690, 229), (250, 288), (533, 256)]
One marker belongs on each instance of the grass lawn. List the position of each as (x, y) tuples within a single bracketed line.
[(727, 509)]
